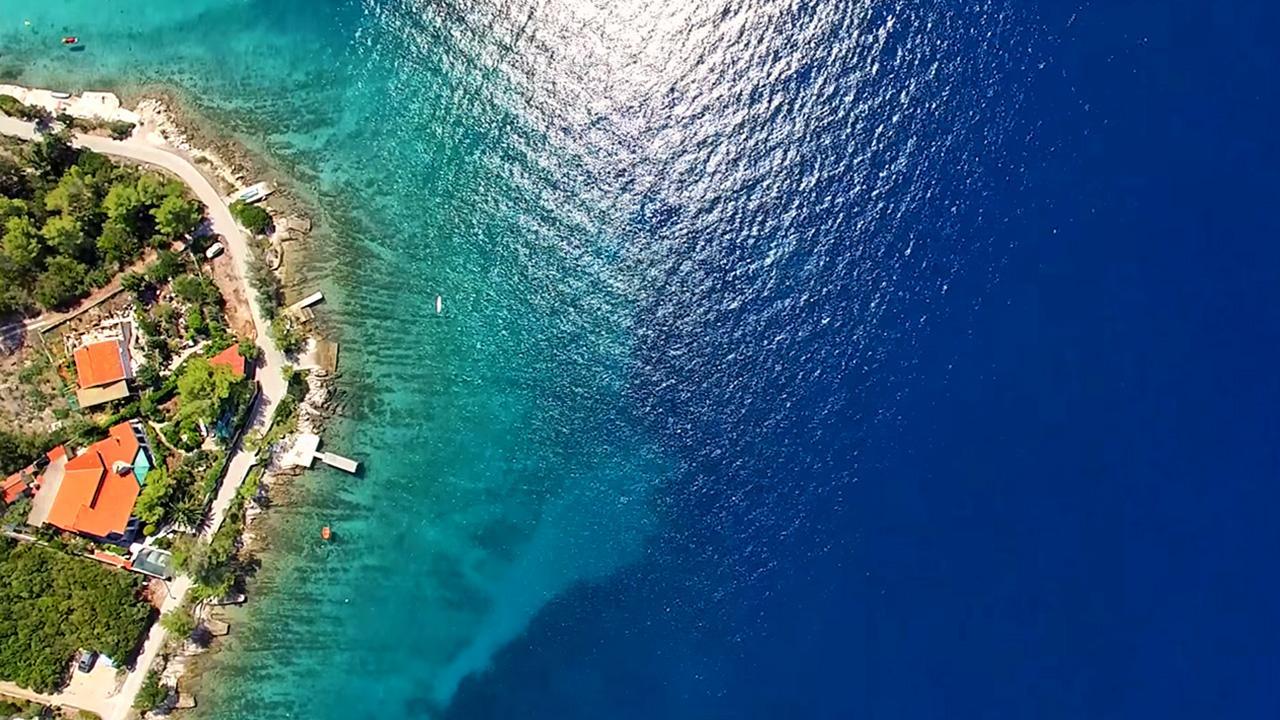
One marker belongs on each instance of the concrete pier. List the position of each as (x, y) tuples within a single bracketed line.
[(306, 451), (339, 462)]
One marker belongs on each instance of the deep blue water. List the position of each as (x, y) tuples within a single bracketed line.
[(1072, 512), (889, 360)]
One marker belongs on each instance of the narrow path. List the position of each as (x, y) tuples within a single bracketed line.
[(270, 378)]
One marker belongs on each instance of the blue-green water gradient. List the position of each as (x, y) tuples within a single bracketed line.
[(678, 245), (501, 465)]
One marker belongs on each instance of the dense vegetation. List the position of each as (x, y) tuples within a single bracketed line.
[(52, 604), (71, 219), (180, 495), (18, 450)]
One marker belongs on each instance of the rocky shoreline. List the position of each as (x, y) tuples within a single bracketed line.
[(229, 167)]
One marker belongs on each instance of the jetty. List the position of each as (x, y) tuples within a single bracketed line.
[(302, 309), (306, 451), (306, 302)]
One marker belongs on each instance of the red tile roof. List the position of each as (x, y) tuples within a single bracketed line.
[(230, 358), (112, 559), (101, 363), (16, 485), (98, 492)]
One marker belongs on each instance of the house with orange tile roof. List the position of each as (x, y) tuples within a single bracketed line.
[(100, 486), (230, 358), (17, 484), (103, 371)]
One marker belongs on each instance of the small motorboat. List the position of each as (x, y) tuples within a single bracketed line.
[(325, 533), (439, 304), (70, 40)]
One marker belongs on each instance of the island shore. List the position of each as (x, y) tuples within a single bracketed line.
[(162, 139)]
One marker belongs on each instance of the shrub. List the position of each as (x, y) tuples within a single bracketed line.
[(252, 217), (179, 622), (286, 335), (12, 106), (120, 129), (151, 694), (167, 265), (133, 282)]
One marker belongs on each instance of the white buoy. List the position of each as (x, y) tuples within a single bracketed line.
[(439, 304)]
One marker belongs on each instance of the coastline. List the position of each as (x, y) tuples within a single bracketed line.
[(230, 165), (164, 121)]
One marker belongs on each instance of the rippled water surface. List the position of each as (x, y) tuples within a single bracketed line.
[(749, 397)]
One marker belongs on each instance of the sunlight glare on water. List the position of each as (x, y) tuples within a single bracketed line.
[(676, 241)]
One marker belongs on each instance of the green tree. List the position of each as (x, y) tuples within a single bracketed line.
[(61, 283), (12, 298), (18, 450), (154, 498), (13, 179), (153, 189), (63, 233), (196, 324), (167, 265), (190, 513), (176, 216), (203, 389), (73, 195), (10, 208), (123, 203), (21, 244), (195, 289), (286, 335), (15, 513), (190, 555), (117, 245), (51, 155)]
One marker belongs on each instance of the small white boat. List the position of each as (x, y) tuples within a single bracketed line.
[(439, 304), (252, 194)]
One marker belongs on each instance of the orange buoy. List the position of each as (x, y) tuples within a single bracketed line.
[(325, 533)]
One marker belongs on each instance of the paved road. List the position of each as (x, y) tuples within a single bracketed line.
[(270, 377)]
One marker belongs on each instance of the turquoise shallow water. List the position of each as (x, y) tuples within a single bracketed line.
[(501, 465)]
